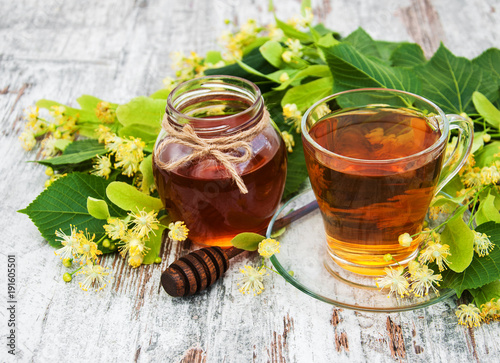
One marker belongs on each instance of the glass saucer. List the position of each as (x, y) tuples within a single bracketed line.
[(303, 251)]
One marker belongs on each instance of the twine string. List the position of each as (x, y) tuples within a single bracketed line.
[(221, 148)]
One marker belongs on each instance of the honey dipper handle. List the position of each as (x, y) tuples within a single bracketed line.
[(201, 268)]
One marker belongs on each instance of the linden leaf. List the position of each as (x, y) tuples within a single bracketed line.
[(487, 211), (271, 51), (146, 169), (485, 293), (146, 133), (154, 243), (65, 203), (488, 154), (460, 238), (408, 55), (247, 241), (307, 94), (486, 109), (482, 270), (129, 198), (98, 208), (142, 110), (296, 168), (450, 81)]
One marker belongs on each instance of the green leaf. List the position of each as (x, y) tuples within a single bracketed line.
[(352, 69), (142, 110), (485, 293), (296, 173), (247, 241), (408, 55), (486, 109), (487, 211), (363, 43), (88, 102), (146, 133), (70, 157), (486, 156), (460, 238), (146, 169), (83, 145), (65, 203), (489, 61), (161, 94), (271, 51), (213, 57), (482, 270), (154, 243), (291, 32), (319, 71), (98, 208), (478, 141), (307, 94), (129, 198), (62, 144), (84, 115), (450, 81)]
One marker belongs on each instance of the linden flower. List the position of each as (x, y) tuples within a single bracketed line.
[(31, 114), (322, 110), (423, 279), (102, 167), (395, 280), (405, 240), (28, 140), (144, 222), (489, 175), (116, 228), (468, 315), (435, 251), (96, 277), (105, 113), (178, 231), (87, 251), (49, 146), (284, 77), (251, 280), (131, 241), (268, 247), (103, 133), (70, 243), (292, 115), (289, 142), (113, 142), (135, 260), (490, 310), (482, 244)]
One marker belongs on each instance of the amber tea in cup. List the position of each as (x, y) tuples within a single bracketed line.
[(374, 158)]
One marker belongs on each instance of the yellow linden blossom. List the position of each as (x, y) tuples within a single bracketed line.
[(284, 77), (435, 251), (87, 251), (469, 315), (490, 310), (135, 260), (131, 242), (102, 167), (103, 133), (482, 244), (144, 222), (387, 257), (235, 43), (251, 281), (405, 240), (395, 280), (28, 140), (129, 155), (96, 277), (49, 146), (302, 21), (268, 247), (105, 113), (116, 228), (289, 142), (489, 175), (413, 266), (178, 231), (70, 243), (292, 115), (275, 33), (31, 114), (423, 279)]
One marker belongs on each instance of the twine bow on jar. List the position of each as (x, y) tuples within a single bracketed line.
[(220, 148)]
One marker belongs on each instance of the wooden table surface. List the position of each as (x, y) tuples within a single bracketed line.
[(120, 49)]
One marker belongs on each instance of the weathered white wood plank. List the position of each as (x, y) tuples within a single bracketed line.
[(120, 49)]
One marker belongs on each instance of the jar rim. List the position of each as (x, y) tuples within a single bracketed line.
[(203, 82)]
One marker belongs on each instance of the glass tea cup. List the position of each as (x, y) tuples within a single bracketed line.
[(375, 159)]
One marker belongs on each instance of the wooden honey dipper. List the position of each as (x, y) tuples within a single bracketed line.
[(199, 269)]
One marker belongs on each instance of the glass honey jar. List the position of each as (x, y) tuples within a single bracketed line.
[(219, 164)]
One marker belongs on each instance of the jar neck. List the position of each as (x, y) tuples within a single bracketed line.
[(215, 106)]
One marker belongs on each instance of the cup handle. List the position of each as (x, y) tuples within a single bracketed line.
[(461, 151)]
